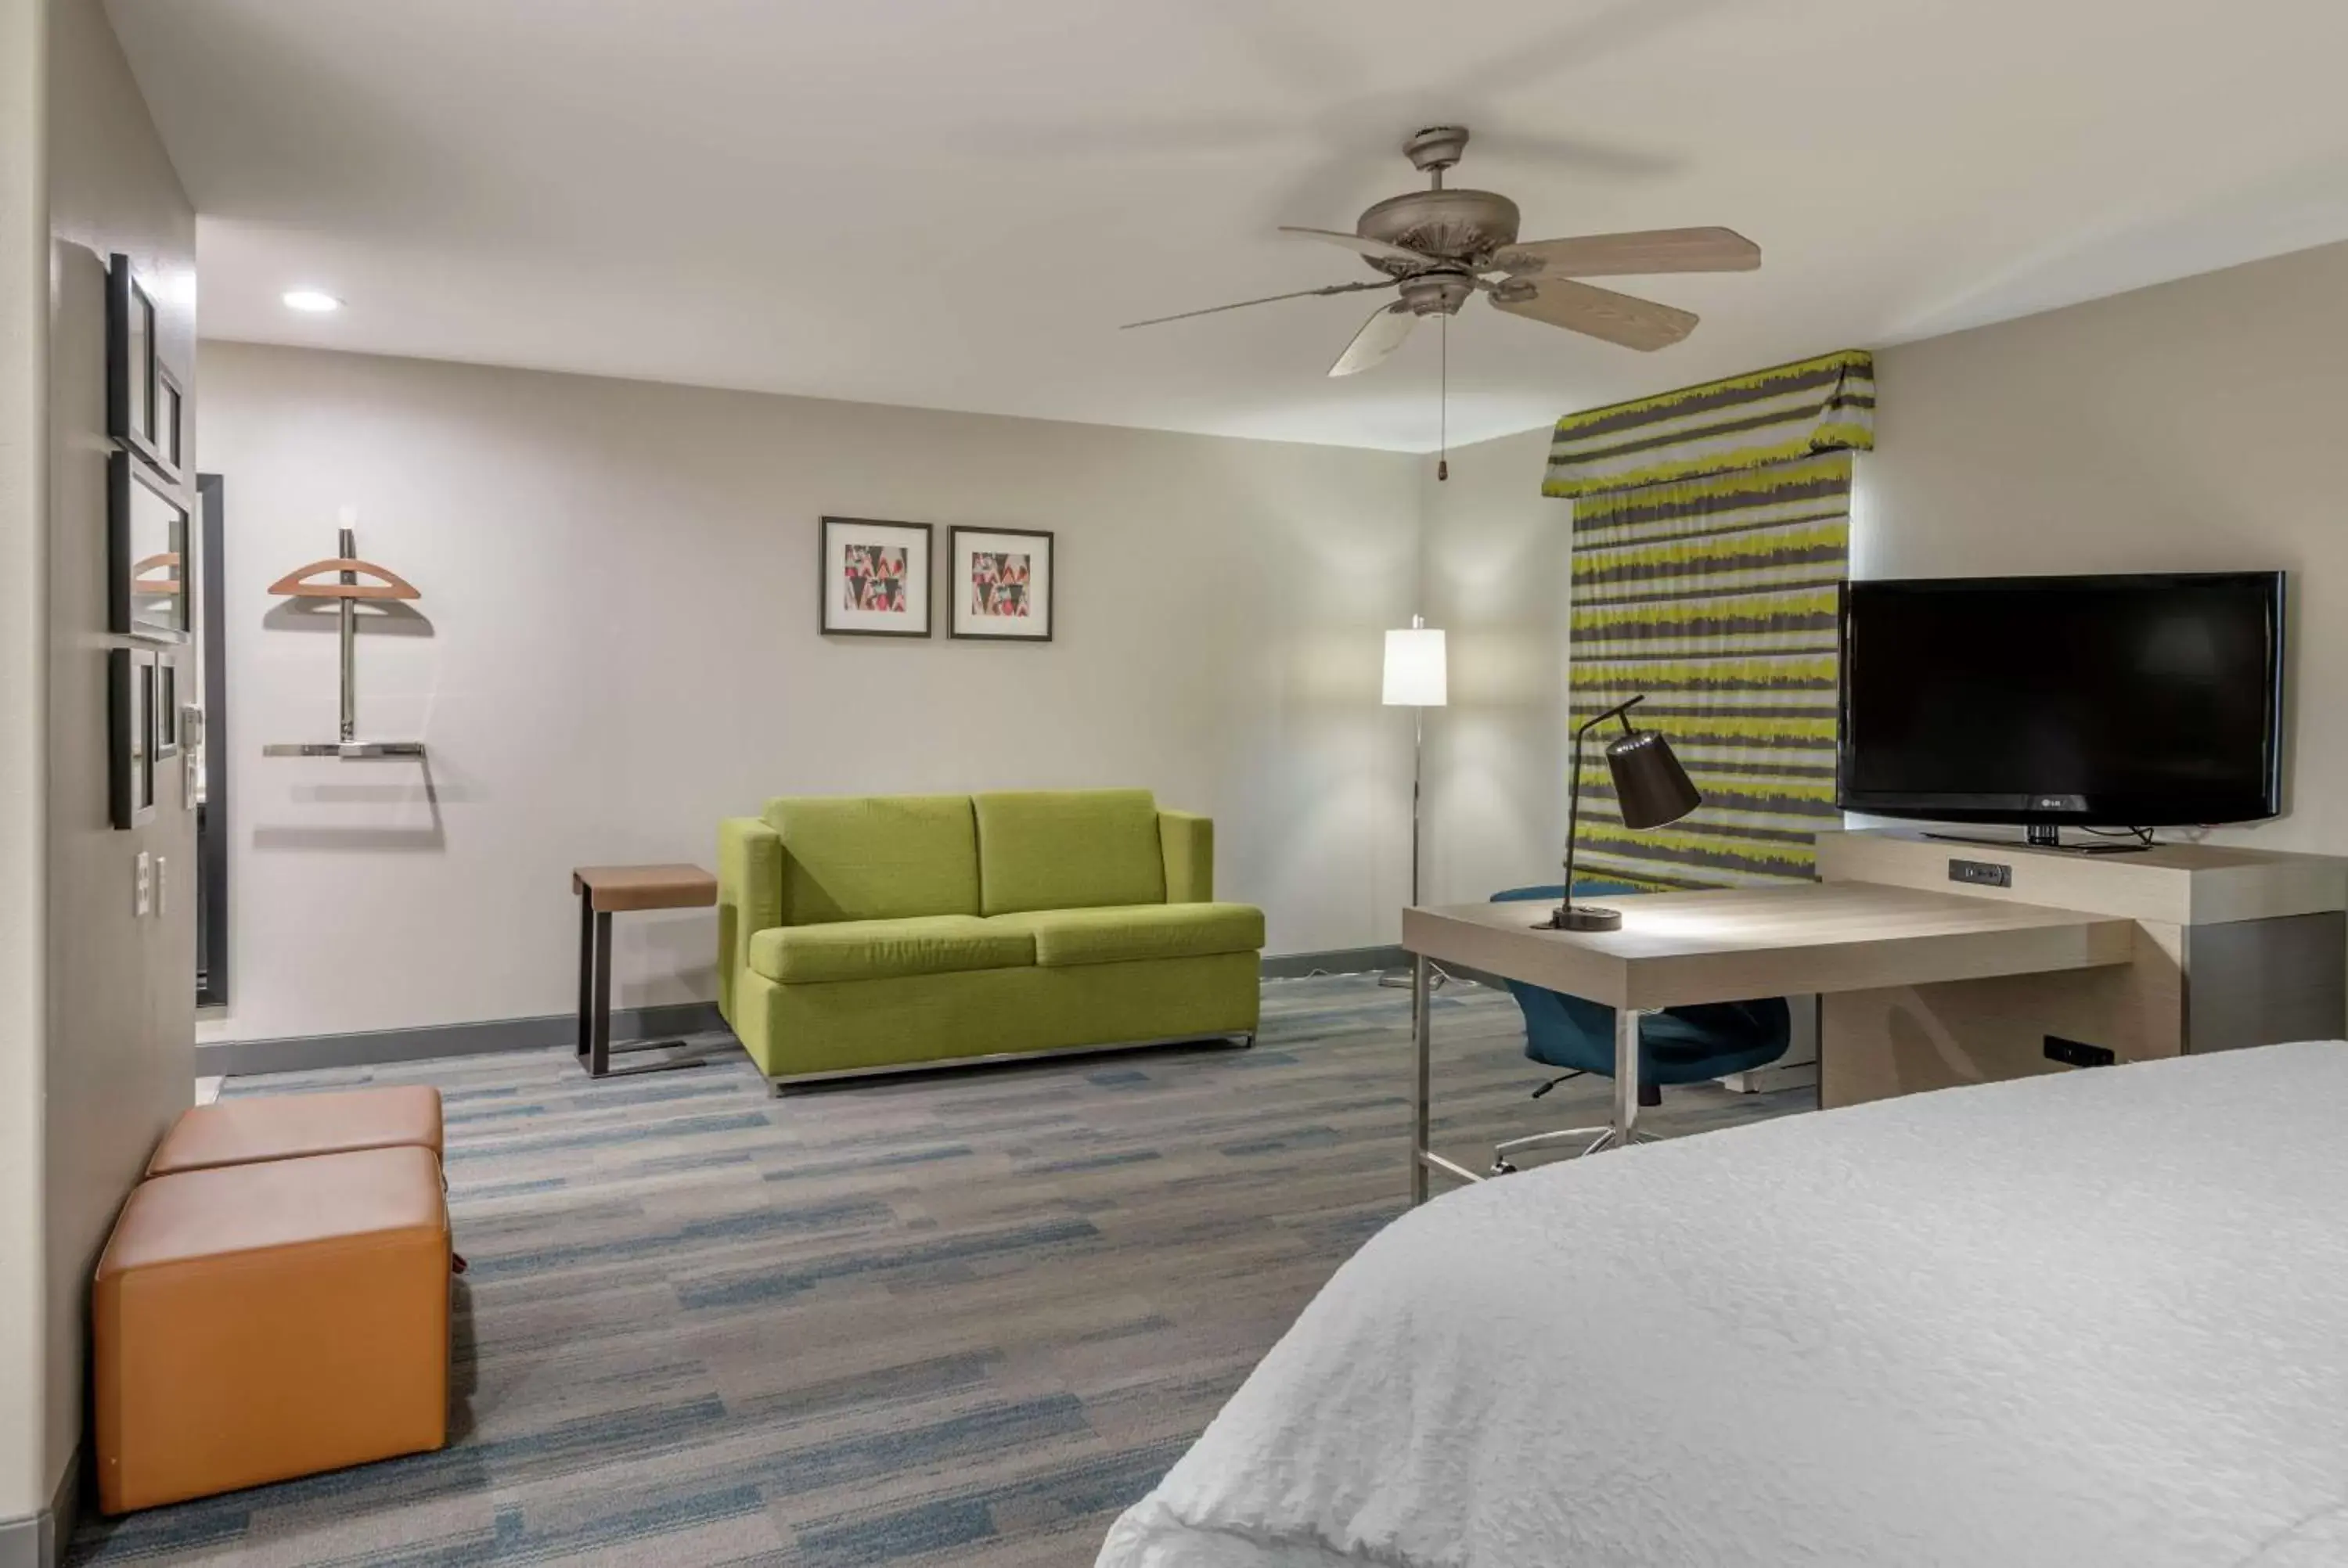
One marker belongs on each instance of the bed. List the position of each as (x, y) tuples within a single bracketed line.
[(2086, 1319)]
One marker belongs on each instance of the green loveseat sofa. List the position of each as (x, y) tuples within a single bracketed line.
[(863, 934)]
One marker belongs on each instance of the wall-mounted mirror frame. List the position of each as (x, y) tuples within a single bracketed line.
[(150, 590)]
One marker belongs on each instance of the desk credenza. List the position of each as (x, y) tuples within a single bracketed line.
[(2232, 948), (1937, 964)]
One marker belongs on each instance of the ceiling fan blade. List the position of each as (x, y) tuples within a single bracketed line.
[(1380, 336), (1622, 255), (1267, 299), (1601, 314), (1377, 249)]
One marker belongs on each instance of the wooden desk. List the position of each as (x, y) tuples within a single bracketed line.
[(2235, 948), (1679, 948), (602, 889)]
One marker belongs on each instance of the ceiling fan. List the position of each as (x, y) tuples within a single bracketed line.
[(1437, 247)]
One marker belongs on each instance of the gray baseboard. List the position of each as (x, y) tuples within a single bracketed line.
[(311, 1052), (1334, 961), (1360, 961), (28, 1543), (41, 1540)]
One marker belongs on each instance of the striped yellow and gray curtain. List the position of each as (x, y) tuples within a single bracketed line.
[(1711, 536)]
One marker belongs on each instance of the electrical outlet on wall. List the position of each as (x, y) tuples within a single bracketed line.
[(143, 885), (162, 885)]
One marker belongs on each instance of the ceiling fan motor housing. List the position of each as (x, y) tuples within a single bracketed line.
[(1437, 293), (1462, 226)]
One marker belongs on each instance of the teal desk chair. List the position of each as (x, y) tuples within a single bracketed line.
[(1676, 1046)]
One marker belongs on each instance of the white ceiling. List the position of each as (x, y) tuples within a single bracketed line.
[(953, 204)]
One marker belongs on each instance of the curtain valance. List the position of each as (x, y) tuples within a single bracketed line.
[(1823, 405)]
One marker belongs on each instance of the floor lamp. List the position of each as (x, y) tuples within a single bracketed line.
[(1415, 679)]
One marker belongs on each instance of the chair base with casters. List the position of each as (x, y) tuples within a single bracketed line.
[(1601, 1138), (1676, 1046)]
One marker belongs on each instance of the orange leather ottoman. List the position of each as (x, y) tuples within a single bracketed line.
[(288, 1126), (257, 1322)]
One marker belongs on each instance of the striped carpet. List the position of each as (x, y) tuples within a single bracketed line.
[(961, 1318)]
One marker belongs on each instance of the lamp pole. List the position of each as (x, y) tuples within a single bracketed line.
[(1418, 776), (1408, 683), (1435, 975)]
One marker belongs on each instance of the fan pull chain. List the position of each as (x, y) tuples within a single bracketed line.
[(1443, 399)]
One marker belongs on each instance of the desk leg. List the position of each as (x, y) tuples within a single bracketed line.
[(1422, 1042), (599, 1049), (1423, 1159), (586, 973), (1626, 1076)]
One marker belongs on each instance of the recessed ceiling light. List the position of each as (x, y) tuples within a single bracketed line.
[(317, 301)]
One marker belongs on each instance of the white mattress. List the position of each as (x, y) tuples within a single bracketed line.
[(2095, 1318)]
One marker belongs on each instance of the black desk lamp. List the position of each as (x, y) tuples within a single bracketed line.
[(1650, 786)]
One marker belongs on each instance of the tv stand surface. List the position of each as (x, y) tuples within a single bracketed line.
[(2109, 846), (2234, 946)]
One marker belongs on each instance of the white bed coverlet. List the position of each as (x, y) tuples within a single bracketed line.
[(2099, 1318)]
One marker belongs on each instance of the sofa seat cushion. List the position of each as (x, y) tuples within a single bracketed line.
[(1124, 933), (883, 949)]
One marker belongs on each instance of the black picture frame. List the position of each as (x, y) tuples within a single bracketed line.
[(167, 708), (169, 423), (961, 618), (130, 699), (834, 617), (139, 602), (212, 805), (133, 365)]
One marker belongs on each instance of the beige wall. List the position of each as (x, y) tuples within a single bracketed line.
[(618, 647), (24, 620), (2192, 427), (120, 992), (1497, 563)]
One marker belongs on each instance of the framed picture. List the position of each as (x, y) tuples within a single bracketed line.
[(1001, 582), (136, 407), (167, 708), (131, 703), (875, 578), (147, 554), (168, 422)]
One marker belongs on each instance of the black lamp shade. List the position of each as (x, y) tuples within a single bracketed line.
[(1650, 786)]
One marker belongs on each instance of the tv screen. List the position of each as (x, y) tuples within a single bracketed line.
[(2138, 702)]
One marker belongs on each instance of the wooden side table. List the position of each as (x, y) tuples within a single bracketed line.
[(602, 890)]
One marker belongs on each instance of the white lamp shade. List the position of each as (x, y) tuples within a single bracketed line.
[(1415, 671)]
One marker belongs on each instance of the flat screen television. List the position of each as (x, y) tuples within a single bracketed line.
[(2113, 701)]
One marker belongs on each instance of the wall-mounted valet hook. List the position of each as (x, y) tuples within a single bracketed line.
[(347, 590)]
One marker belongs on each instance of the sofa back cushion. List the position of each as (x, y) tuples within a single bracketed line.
[(875, 858), (1067, 850)]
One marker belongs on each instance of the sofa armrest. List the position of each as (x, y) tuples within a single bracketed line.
[(1186, 840), (750, 896)]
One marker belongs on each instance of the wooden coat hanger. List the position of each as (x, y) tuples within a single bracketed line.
[(392, 585), (164, 586)]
